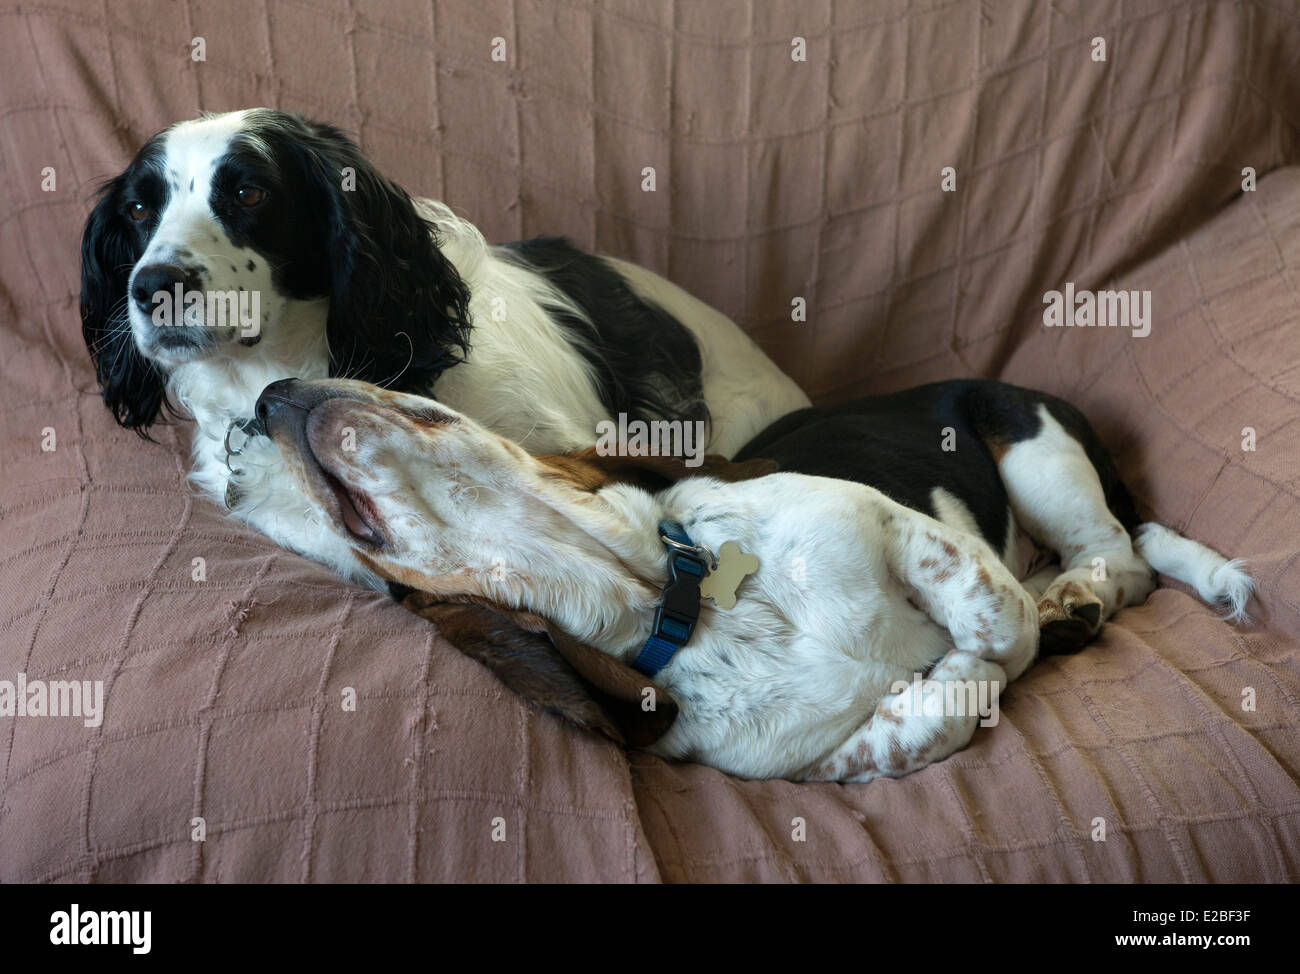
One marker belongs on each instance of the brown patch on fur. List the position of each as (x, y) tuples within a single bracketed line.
[(997, 447), (514, 449), (926, 754), (1049, 611), (1072, 593), (1071, 596), (1069, 619), (442, 584), (830, 771), (862, 761), (588, 470), (941, 573), (883, 712), (983, 584), (897, 755), (576, 471)]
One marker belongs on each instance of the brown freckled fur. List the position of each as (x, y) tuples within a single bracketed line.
[(939, 574), (897, 755), (588, 470), (1074, 592), (575, 471), (888, 716), (997, 447), (435, 583), (923, 756), (861, 763), (1071, 596)]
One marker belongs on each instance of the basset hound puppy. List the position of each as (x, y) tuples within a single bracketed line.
[(769, 624)]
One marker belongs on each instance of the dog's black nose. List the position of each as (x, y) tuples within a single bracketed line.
[(275, 397), (155, 279)]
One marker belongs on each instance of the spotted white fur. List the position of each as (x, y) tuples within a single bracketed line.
[(789, 682)]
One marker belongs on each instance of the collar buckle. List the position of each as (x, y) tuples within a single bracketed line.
[(679, 609)]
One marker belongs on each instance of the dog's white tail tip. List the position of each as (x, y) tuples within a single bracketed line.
[(1233, 589), (1217, 580)]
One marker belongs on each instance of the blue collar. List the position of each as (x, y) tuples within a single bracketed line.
[(679, 609)]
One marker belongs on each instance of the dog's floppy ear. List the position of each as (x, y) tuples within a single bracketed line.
[(591, 470), (133, 388), (552, 670), (399, 311)]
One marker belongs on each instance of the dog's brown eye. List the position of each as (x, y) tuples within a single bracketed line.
[(249, 195), (137, 211)]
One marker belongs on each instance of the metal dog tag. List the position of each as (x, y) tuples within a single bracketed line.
[(732, 568)]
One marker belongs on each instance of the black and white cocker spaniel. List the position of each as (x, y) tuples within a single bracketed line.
[(242, 248)]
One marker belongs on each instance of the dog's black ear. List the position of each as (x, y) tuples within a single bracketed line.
[(551, 669), (133, 387), (399, 311)]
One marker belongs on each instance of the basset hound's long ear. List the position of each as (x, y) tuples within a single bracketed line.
[(550, 669), (592, 470)]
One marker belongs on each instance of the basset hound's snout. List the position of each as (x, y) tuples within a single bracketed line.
[(285, 404), (327, 431)]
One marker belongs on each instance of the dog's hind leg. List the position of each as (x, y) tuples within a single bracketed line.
[(927, 721), (1057, 496)]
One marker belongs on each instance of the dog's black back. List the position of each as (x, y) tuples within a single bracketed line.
[(946, 434)]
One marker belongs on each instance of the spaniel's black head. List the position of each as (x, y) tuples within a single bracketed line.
[(238, 235)]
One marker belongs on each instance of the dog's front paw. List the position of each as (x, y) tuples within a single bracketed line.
[(1069, 617)]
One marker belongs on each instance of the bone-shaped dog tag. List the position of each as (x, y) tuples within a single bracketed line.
[(722, 582)]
